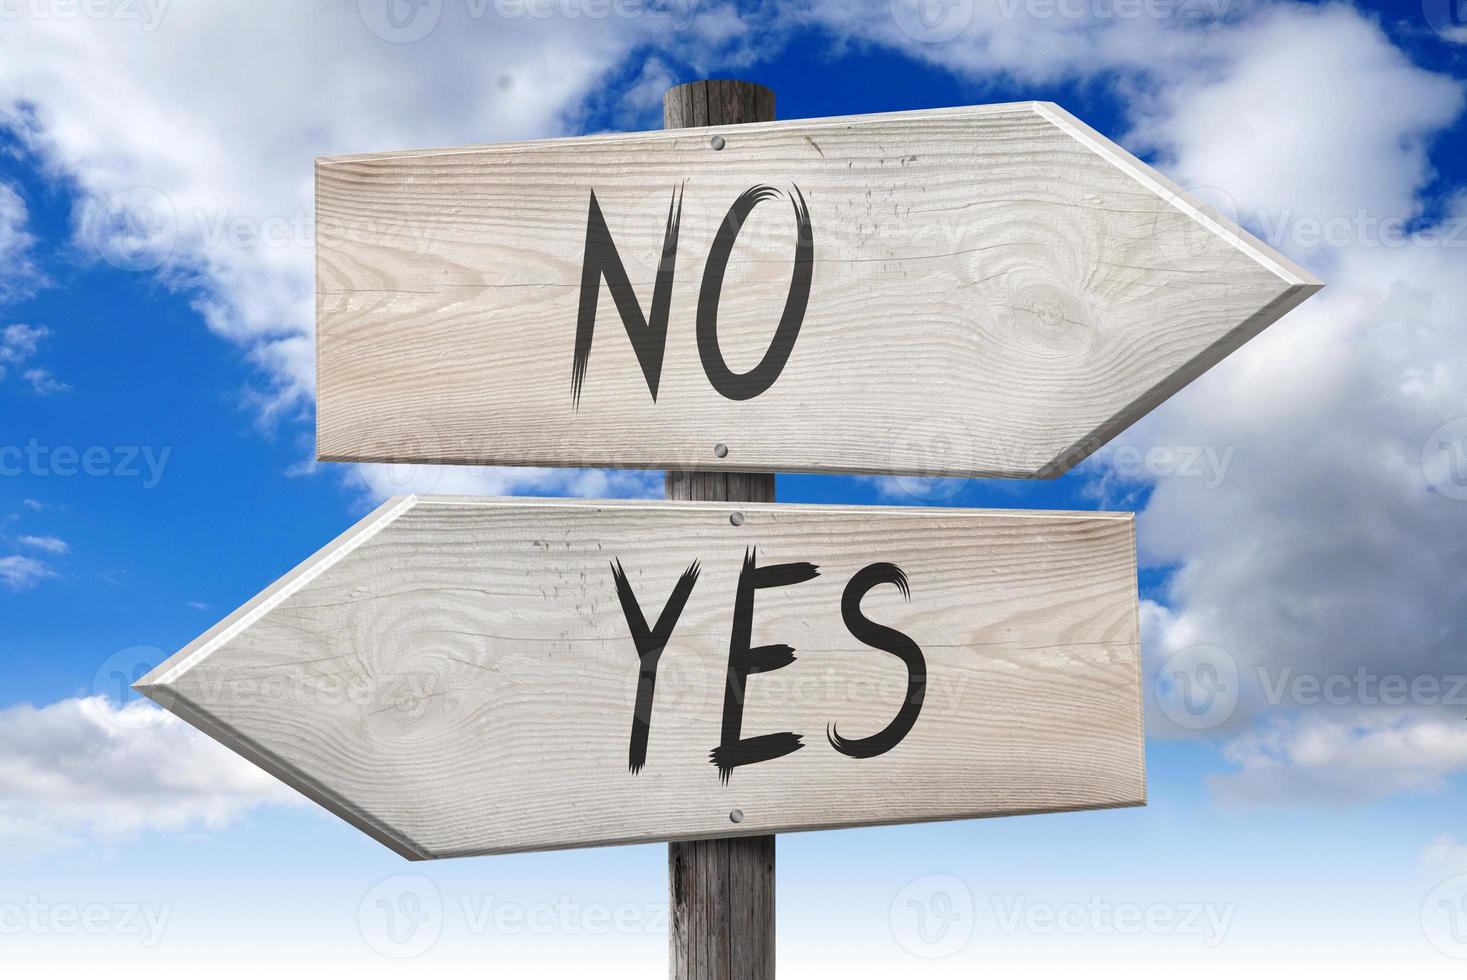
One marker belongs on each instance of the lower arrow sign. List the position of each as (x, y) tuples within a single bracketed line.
[(461, 676)]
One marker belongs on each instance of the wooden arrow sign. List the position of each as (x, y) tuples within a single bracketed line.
[(467, 676), (984, 291)]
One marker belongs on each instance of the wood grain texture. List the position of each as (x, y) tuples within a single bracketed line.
[(718, 101), (456, 675), (721, 914), (997, 290), (717, 485)]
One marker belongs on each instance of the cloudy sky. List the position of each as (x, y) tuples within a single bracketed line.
[(1302, 507)]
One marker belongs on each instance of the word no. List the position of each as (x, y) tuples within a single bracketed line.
[(648, 333)]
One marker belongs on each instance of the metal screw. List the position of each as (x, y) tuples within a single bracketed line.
[(736, 519), (737, 816), (720, 450), (716, 142)]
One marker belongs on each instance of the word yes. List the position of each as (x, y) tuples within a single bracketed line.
[(734, 750)]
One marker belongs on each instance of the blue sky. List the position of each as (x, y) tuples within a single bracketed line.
[(1324, 538)]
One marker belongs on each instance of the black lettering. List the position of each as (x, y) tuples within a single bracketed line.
[(743, 660), (647, 334), (650, 644), (741, 387), (892, 641)]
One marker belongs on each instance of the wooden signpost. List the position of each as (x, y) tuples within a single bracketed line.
[(720, 889), (979, 291)]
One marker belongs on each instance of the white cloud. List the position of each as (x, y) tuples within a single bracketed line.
[(19, 276), (645, 94), (1315, 759), (20, 572), (380, 481), (1034, 42), (84, 769), (1329, 544), (42, 382), (1308, 115), (18, 344), (47, 543), (1445, 856)]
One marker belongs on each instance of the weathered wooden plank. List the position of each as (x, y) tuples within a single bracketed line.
[(993, 291), (458, 675)]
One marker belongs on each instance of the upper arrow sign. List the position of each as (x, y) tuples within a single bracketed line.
[(984, 291)]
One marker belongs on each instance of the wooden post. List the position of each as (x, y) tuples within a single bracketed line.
[(721, 891)]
